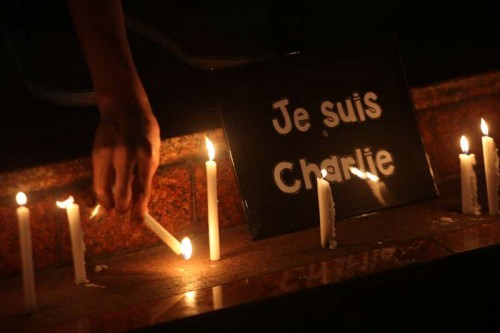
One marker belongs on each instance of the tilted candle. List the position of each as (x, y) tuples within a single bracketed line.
[(185, 248)]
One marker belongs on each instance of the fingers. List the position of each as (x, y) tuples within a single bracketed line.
[(123, 164), (103, 176), (122, 179), (146, 168)]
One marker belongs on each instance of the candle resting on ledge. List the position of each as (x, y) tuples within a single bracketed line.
[(468, 180), (490, 169), (213, 212), (23, 217), (185, 248), (77, 242), (326, 212)]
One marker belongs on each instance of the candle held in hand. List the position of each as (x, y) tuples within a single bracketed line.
[(468, 180), (23, 218), (185, 248), (326, 212), (490, 157), (76, 235), (213, 213)]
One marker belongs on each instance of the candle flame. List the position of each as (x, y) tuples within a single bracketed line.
[(464, 144), (323, 173), (210, 148), (66, 203), (21, 198), (186, 248), (484, 127), (95, 211), (190, 294)]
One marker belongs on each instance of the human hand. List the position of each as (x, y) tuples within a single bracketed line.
[(125, 157)]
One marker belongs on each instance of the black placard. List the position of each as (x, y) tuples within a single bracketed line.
[(349, 108)]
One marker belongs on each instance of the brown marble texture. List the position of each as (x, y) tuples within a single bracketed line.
[(471, 238), (44, 177), (172, 199), (173, 150), (456, 90), (454, 120), (450, 109), (191, 146)]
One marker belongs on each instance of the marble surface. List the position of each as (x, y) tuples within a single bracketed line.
[(153, 286)]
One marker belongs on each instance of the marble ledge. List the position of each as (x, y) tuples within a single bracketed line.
[(456, 90), (153, 286), (220, 294), (59, 175), (174, 312)]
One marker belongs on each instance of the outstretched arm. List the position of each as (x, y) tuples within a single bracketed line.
[(127, 141)]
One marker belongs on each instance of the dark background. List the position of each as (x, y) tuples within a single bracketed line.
[(437, 41)]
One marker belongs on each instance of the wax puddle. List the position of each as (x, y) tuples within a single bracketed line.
[(448, 219), (93, 285), (99, 268), (444, 220)]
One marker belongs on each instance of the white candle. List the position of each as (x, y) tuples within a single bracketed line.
[(213, 214), (468, 179), (326, 212), (23, 218), (185, 248), (76, 235), (490, 157)]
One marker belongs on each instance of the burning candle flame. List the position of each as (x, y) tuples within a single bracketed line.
[(210, 148), (95, 211), (484, 127), (66, 203), (186, 248), (464, 144), (190, 294), (323, 173), (21, 198)]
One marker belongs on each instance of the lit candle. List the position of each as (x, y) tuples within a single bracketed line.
[(213, 214), (468, 179), (326, 212), (185, 248), (23, 218), (76, 234), (490, 169)]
